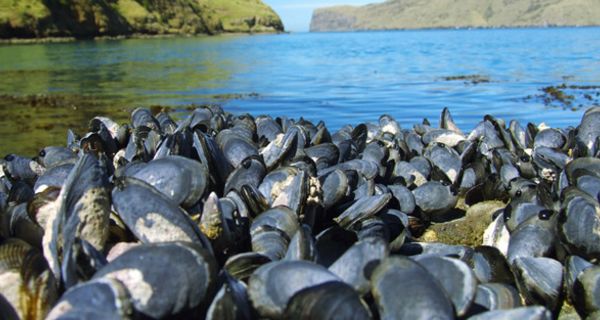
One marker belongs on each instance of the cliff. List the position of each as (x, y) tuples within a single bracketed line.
[(92, 18), (420, 14)]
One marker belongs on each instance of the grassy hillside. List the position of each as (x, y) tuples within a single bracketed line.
[(416, 14), (90, 18)]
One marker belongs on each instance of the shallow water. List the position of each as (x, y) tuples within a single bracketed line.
[(336, 77)]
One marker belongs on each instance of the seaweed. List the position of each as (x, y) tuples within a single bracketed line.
[(468, 79)]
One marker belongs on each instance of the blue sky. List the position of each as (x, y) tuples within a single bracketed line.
[(296, 14)]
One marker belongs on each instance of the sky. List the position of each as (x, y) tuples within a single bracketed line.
[(296, 14)]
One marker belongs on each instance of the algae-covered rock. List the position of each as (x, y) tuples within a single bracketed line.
[(467, 230)]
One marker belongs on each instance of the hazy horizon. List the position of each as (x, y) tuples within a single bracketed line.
[(296, 14)]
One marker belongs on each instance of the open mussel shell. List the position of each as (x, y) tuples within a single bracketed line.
[(403, 289), (159, 287), (273, 285), (358, 262), (539, 280), (524, 313), (181, 179), (456, 278), (100, 298), (330, 300)]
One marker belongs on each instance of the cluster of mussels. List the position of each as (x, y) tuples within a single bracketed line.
[(240, 217)]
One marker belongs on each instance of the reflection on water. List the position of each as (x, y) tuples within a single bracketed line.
[(336, 77)]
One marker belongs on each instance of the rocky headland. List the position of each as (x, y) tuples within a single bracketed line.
[(425, 14), (36, 19)]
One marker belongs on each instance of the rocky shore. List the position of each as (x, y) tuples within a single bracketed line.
[(58, 20), (240, 216)]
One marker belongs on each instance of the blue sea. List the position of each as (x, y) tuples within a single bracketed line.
[(339, 78)]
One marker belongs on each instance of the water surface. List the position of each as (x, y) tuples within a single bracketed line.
[(336, 77)]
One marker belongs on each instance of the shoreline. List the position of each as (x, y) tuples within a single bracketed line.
[(459, 28), (9, 41)]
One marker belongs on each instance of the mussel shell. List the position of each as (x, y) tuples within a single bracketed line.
[(324, 155), (330, 300), (99, 298), (362, 209), (181, 179), (367, 169), (267, 128), (281, 218), (496, 296), (490, 265), (242, 265), (403, 289), (533, 238), (539, 280), (524, 313), (358, 262), (273, 285), (574, 266), (579, 225), (286, 186), (463, 253), (404, 198), (434, 200), (250, 172), (54, 177), (447, 122), (444, 136), (585, 291), (455, 276), (334, 188), (550, 138), (588, 131), (159, 287), (231, 301), (236, 147), (151, 216), (51, 157), (302, 246)]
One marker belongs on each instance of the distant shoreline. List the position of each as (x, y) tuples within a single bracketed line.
[(9, 41), (461, 28)]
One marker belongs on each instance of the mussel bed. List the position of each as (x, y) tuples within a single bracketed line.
[(225, 216)]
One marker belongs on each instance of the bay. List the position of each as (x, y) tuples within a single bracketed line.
[(340, 78)]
